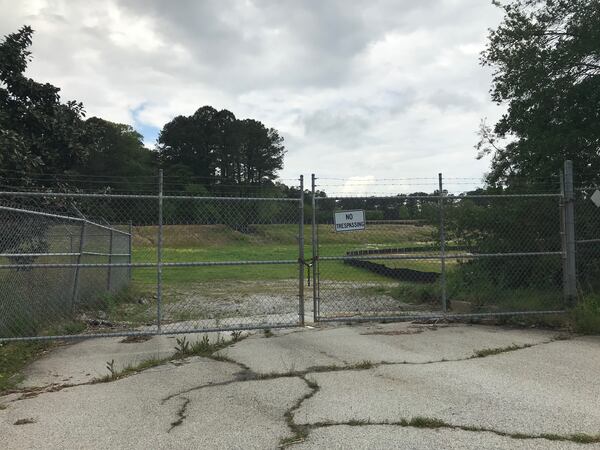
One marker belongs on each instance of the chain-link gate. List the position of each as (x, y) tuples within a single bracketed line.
[(75, 264), (438, 255), (104, 265)]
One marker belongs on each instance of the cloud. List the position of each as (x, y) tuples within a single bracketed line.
[(371, 89)]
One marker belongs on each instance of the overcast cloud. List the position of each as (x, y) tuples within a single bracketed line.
[(373, 89)]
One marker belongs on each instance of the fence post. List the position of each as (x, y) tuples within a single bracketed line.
[(569, 218), (159, 253), (75, 292), (130, 245), (442, 245), (110, 261), (563, 234), (315, 256), (301, 261)]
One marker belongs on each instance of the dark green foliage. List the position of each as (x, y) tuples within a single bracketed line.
[(38, 133), (586, 315), (211, 144), (117, 150), (14, 356), (506, 225), (547, 70)]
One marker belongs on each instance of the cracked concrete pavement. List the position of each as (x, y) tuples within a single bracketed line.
[(365, 386)]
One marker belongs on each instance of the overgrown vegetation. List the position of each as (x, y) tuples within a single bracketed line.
[(14, 357), (496, 351), (586, 315), (132, 304), (115, 373), (183, 349)]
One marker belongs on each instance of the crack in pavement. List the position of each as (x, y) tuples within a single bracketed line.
[(246, 374), (300, 432), (180, 414), (432, 424)]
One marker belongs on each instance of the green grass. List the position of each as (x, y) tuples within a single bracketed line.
[(586, 315), (134, 303), (202, 236), (496, 351), (14, 357), (214, 243)]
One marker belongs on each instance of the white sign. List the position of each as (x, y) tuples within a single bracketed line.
[(596, 198), (349, 220)]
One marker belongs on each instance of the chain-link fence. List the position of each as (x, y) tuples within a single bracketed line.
[(96, 264), (165, 264), (43, 275), (437, 253)]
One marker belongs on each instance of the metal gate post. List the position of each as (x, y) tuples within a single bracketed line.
[(110, 261), (130, 245), (75, 294), (315, 256), (301, 261), (569, 214), (563, 234), (442, 246), (159, 252)]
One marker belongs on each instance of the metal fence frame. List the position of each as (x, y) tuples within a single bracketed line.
[(565, 198), (160, 264), (566, 201), (81, 252)]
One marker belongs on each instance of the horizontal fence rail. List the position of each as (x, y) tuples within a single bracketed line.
[(154, 264), (131, 265), (438, 255)]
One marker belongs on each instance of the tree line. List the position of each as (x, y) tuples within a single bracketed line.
[(48, 143)]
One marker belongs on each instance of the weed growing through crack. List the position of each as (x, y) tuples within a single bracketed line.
[(364, 365), (183, 347), (115, 374), (496, 351), (202, 347), (110, 366), (24, 421), (426, 422), (299, 432), (236, 335), (267, 332)]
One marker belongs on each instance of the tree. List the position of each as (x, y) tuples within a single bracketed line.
[(214, 145), (117, 150), (38, 133), (546, 60)]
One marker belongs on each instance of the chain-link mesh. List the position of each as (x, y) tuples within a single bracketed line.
[(92, 261), (509, 254), (243, 263), (126, 264), (44, 289), (374, 271), (430, 254), (587, 219)]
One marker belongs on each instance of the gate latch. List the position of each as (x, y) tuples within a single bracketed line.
[(308, 265)]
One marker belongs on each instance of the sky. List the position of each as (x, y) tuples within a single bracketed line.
[(365, 90)]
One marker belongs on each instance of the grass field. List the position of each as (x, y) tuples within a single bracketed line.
[(268, 290), (210, 243)]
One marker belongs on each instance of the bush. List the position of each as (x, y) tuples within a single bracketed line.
[(586, 315)]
